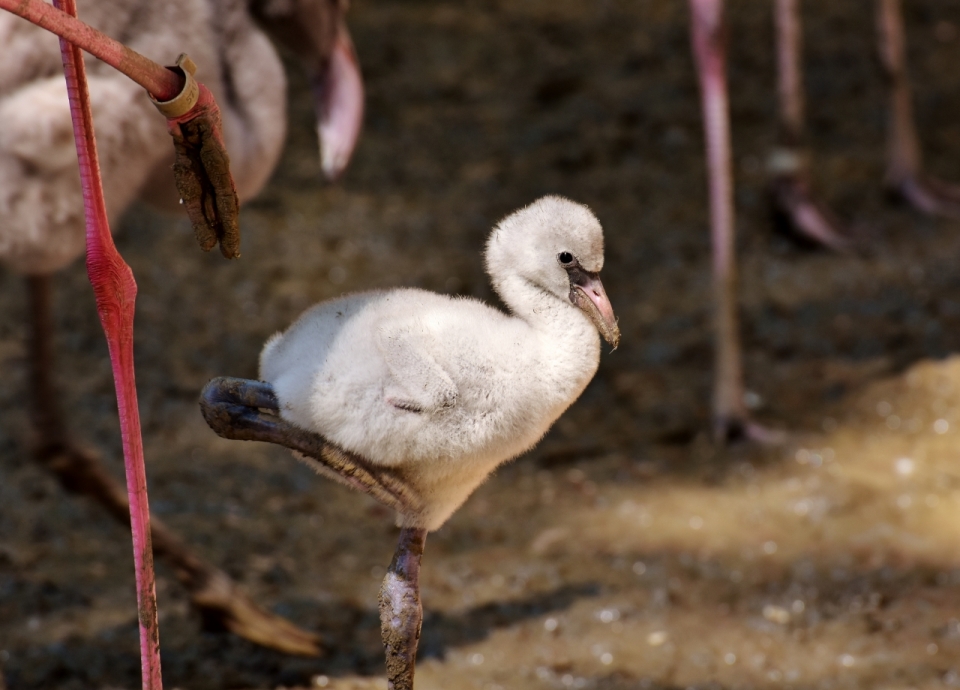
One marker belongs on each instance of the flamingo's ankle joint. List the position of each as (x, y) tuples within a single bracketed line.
[(184, 101), (786, 161)]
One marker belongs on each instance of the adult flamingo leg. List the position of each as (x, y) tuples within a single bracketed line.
[(730, 418), (115, 291), (45, 410), (210, 197), (213, 593), (221, 602), (789, 162), (905, 176)]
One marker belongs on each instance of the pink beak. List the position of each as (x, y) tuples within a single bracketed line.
[(586, 291), (339, 103)]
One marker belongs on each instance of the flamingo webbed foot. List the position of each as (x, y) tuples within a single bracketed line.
[(246, 410), (928, 195), (201, 171), (733, 429), (805, 216)]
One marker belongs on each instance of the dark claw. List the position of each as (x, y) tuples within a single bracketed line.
[(232, 406), (928, 195), (232, 409)]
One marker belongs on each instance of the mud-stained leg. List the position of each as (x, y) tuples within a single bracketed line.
[(219, 599), (789, 163), (730, 418), (905, 176), (247, 410), (401, 613)]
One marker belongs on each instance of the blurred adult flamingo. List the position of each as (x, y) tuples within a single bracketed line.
[(791, 178), (41, 214)]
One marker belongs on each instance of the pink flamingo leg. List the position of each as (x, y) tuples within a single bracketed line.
[(730, 419), (905, 176), (115, 291), (789, 165), (708, 45), (786, 19)]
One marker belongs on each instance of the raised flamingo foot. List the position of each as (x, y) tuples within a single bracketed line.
[(201, 168), (928, 195), (401, 613)]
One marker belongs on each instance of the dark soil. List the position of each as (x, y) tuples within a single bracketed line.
[(626, 551)]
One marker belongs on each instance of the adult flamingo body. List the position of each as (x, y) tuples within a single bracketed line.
[(39, 185), (41, 210)]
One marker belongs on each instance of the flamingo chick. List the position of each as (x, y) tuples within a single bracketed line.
[(415, 397)]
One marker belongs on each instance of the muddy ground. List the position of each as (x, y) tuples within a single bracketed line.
[(626, 551)]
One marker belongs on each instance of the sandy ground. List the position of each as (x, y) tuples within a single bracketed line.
[(626, 551)]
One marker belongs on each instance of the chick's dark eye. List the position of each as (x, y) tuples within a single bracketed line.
[(565, 258)]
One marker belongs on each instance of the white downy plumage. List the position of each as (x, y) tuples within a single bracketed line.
[(443, 389)]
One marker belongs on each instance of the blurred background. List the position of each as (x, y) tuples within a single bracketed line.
[(626, 551)]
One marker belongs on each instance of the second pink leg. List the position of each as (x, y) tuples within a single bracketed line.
[(115, 291), (789, 162), (905, 176), (730, 419)]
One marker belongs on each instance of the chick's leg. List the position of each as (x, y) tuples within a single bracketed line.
[(247, 410), (401, 612)]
